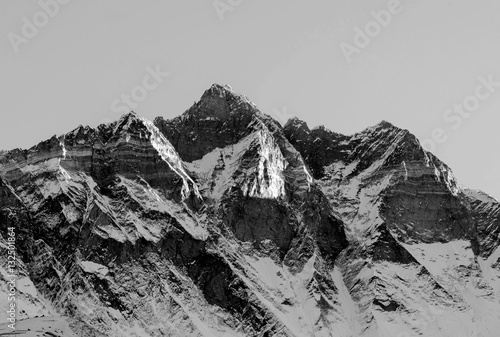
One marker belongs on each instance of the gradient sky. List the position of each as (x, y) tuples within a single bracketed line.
[(284, 55)]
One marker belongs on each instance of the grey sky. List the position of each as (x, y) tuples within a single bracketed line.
[(285, 55)]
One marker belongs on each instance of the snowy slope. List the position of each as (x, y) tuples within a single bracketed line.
[(220, 222), (413, 266)]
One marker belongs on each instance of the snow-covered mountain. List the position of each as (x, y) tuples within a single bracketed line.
[(221, 222)]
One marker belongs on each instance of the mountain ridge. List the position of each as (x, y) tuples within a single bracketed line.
[(223, 222)]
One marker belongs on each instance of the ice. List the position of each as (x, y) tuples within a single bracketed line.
[(471, 281), (41, 326), (94, 268), (26, 286), (480, 195), (215, 180), (147, 196), (349, 307), (170, 156)]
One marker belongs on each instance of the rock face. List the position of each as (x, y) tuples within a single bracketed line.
[(251, 176), (486, 213), (220, 222), (418, 244)]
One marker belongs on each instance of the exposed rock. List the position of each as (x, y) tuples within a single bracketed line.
[(220, 222), (403, 211), (486, 213)]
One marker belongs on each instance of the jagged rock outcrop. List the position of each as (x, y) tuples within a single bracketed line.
[(486, 212), (252, 175), (419, 197), (402, 207), (220, 222)]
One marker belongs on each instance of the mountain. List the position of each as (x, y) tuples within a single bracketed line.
[(221, 222)]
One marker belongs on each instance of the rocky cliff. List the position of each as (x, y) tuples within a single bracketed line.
[(220, 222)]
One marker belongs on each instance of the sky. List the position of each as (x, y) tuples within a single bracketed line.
[(429, 66)]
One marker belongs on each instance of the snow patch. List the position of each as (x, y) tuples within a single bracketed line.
[(170, 156), (94, 268)]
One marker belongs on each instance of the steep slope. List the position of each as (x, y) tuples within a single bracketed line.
[(97, 202), (486, 211), (220, 222), (121, 241), (257, 184), (249, 172), (411, 231)]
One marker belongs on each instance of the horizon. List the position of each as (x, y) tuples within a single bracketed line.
[(236, 92), (2, 151)]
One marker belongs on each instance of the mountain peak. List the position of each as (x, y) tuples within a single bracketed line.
[(211, 223), (296, 123), (130, 115), (218, 91), (221, 87), (319, 127), (385, 125), (382, 125), (220, 103)]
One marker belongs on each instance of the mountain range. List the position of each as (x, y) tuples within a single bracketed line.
[(222, 222)]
